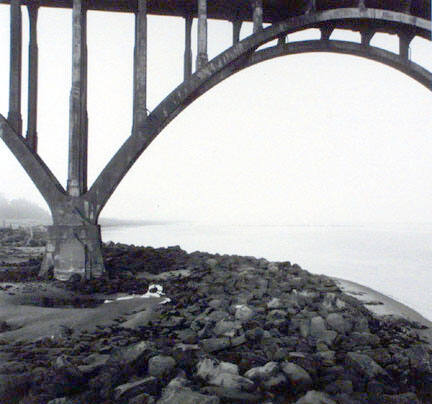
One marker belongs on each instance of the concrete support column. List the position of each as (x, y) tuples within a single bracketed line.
[(236, 31), (78, 125), (257, 15), (188, 48), (73, 252), (404, 42), (282, 40), (140, 66), (33, 79), (14, 115), (366, 37), (202, 57), (326, 32)]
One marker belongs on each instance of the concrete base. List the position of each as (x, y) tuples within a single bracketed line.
[(73, 252)]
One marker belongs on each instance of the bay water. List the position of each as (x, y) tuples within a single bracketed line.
[(393, 259)]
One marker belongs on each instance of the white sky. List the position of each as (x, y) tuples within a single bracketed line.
[(305, 139)]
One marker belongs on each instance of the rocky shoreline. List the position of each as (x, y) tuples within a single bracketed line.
[(236, 330)]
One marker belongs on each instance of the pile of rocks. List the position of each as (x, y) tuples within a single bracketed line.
[(237, 330)]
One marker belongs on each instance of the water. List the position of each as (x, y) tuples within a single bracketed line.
[(395, 260)]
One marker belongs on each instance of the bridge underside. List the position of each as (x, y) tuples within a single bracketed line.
[(74, 247)]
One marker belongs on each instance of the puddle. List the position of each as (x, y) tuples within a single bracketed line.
[(154, 291)]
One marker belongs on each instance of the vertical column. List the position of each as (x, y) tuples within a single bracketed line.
[(404, 42), (188, 48), (236, 31), (366, 36), (257, 15), (202, 57), (77, 170), (140, 66), (33, 78), (14, 115), (84, 114)]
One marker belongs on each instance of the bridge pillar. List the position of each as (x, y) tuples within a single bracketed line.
[(366, 37), (257, 15), (202, 57), (188, 48), (237, 24), (140, 66), (74, 246), (78, 125), (33, 79), (404, 42), (14, 115), (73, 252)]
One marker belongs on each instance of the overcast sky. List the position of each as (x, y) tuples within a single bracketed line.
[(305, 139)]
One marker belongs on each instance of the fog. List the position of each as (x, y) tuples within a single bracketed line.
[(304, 139)]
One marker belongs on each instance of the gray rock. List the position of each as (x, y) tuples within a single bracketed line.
[(132, 353), (160, 365), (187, 336), (261, 373), (215, 344), (420, 358), (226, 328), (208, 368), (275, 383), (274, 303), (185, 395), (244, 313), (298, 377), (62, 400), (13, 367), (317, 327), (93, 363), (315, 397), (130, 390), (234, 382), (273, 267), (218, 315), (364, 365), (212, 263), (406, 398), (230, 395), (364, 338), (142, 398), (338, 323)]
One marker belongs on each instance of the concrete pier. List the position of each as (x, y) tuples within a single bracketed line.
[(257, 18), (14, 115), (202, 57), (140, 66), (188, 48), (32, 78), (77, 167), (237, 24)]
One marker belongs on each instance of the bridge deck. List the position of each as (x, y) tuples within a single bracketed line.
[(274, 10)]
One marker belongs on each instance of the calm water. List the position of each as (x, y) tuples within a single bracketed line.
[(393, 259)]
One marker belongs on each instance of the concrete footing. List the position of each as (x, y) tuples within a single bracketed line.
[(73, 252)]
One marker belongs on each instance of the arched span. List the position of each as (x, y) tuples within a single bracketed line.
[(383, 56), (35, 167), (240, 56)]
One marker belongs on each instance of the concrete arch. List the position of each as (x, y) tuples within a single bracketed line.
[(243, 55), (45, 181)]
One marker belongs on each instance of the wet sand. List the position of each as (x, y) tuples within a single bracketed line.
[(21, 308), (383, 305)]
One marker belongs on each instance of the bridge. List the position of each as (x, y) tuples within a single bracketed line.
[(74, 240)]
